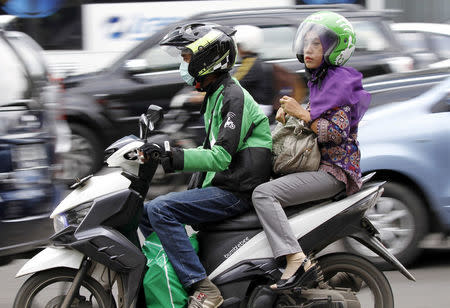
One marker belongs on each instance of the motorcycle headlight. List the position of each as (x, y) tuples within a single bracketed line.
[(60, 222), (72, 217)]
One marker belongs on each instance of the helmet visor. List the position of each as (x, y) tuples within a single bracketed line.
[(307, 33), (173, 50)]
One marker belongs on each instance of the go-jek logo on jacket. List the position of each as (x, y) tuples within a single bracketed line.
[(135, 28)]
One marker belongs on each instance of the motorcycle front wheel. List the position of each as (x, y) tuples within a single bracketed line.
[(370, 285), (49, 288)]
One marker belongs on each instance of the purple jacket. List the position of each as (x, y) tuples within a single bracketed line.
[(339, 147)]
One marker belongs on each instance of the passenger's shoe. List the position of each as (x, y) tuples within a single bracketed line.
[(301, 278), (207, 295)]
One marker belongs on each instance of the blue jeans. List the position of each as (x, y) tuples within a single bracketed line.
[(166, 215)]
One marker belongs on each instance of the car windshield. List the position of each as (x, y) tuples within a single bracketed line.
[(412, 41), (278, 43), (157, 59), (14, 83), (369, 36)]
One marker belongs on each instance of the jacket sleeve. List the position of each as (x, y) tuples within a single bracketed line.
[(334, 125), (229, 136)]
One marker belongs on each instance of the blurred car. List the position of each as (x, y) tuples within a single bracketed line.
[(405, 138), (429, 43), (105, 105), (27, 146)]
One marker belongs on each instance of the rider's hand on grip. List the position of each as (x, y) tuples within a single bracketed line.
[(163, 152), (150, 151)]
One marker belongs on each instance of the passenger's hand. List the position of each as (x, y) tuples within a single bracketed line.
[(293, 108), (280, 116)]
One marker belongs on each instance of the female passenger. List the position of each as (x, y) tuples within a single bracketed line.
[(324, 42)]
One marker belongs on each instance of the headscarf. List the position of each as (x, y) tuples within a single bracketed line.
[(336, 86)]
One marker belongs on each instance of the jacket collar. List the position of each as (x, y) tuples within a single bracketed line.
[(212, 88)]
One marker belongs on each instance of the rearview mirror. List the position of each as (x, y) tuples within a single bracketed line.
[(155, 113), (143, 126), (148, 121)]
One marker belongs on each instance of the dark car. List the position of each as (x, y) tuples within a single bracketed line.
[(27, 146), (104, 106), (405, 138)]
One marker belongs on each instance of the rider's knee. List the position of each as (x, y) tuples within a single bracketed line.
[(156, 209)]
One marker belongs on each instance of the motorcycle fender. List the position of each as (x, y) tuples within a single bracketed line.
[(374, 244), (51, 257)]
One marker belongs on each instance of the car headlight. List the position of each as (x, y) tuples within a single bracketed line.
[(72, 217)]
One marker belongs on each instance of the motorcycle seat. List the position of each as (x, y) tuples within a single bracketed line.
[(249, 220)]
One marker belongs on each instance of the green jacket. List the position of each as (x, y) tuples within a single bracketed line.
[(241, 143)]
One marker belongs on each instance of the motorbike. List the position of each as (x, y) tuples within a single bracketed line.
[(95, 259)]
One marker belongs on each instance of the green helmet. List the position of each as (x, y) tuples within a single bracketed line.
[(336, 35)]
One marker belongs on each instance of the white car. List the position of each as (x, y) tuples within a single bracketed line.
[(429, 43)]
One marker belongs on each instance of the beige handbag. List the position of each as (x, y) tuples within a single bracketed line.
[(295, 148)]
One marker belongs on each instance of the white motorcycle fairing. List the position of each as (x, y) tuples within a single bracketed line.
[(116, 159), (95, 187), (52, 257), (101, 185), (258, 247)]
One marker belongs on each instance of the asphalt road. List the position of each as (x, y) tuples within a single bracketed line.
[(431, 290)]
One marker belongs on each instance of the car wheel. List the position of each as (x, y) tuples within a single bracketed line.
[(85, 156), (402, 220)]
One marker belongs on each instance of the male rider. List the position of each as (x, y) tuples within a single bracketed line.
[(236, 156)]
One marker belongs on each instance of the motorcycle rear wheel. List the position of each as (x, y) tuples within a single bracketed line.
[(40, 290), (372, 278)]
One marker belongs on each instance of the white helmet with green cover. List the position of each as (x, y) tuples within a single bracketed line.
[(336, 35)]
